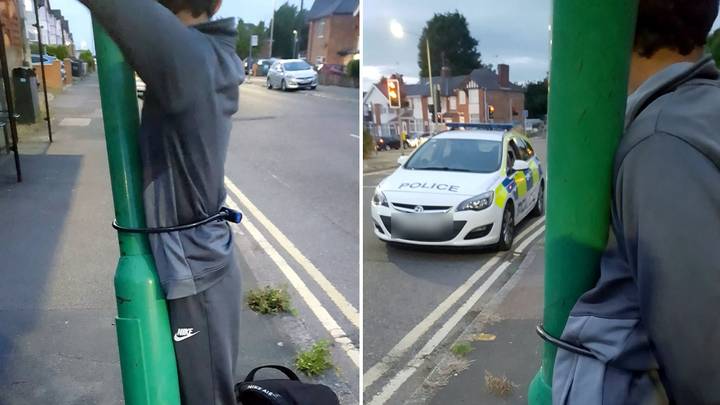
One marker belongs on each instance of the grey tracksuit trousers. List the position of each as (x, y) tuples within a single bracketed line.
[(206, 335)]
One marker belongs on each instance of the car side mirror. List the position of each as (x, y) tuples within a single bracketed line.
[(402, 159), (520, 165)]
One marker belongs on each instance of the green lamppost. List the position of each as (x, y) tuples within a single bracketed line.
[(147, 359), (591, 46)]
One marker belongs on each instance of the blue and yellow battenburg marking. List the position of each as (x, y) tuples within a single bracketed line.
[(519, 183)]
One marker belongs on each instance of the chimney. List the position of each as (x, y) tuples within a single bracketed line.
[(504, 75), (445, 72)]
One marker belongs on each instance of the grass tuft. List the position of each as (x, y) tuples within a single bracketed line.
[(499, 386), (316, 360), (461, 349), (269, 300)]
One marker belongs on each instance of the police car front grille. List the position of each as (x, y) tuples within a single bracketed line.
[(439, 237), (411, 207)]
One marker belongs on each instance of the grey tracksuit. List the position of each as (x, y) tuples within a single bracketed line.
[(193, 76), (652, 319)]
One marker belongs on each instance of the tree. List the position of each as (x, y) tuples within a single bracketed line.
[(59, 51), (288, 18), (536, 98), (713, 45), (245, 32), (449, 36)]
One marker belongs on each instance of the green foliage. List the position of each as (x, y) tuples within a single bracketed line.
[(368, 144), (288, 18), (461, 349), (35, 48), (59, 51), (316, 360), (536, 98), (353, 69), (449, 36), (245, 32), (713, 46), (87, 57), (269, 300)]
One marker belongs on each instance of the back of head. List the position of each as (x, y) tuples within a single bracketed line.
[(678, 25), (196, 7)]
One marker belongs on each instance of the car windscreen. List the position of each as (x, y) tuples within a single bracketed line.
[(457, 155), (293, 66)]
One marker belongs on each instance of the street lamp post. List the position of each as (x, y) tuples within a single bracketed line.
[(399, 32), (272, 30), (295, 40)]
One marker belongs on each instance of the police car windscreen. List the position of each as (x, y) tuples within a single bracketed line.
[(457, 155), (291, 66)]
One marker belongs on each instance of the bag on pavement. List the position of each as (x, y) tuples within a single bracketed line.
[(290, 391)]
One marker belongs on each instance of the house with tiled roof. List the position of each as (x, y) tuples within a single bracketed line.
[(334, 32), (480, 97)]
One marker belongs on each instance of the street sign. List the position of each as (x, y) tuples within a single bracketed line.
[(254, 40)]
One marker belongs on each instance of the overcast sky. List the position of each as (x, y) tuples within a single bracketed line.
[(513, 32), (249, 10)]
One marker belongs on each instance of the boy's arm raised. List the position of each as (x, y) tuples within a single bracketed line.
[(168, 56)]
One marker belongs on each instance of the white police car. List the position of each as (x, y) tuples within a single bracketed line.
[(461, 188)]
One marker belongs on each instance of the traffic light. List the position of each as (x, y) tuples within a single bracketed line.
[(393, 91), (491, 112)]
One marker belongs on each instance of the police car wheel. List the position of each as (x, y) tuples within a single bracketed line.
[(507, 231), (539, 208)]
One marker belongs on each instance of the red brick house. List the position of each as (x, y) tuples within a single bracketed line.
[(334, 31), (480, 97)]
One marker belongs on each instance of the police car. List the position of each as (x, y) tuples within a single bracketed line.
[(466, 187)]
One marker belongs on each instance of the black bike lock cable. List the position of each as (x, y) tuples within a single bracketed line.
[(225, 214), (563, 344)]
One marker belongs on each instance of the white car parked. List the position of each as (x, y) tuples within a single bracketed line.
[(289, 74), (461, 188)]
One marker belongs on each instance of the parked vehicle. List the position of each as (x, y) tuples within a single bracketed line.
[(415, 139), (387, 142), (264, 66), (287, 74)]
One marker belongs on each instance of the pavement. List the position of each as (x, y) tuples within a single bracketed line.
[(384, 160), (58, 251), (419, 301)]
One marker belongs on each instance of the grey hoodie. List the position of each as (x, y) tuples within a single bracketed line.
[(652, 319), (193, 76)]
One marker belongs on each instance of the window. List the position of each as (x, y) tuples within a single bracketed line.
[(474, 118), (457, 155), (522, 149), (461, 97), (320, 30), (453, 103)]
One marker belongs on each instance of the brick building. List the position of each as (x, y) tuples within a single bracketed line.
[(334, 31), (480, 97)]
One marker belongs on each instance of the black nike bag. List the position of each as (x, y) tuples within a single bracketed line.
[(290, 391)]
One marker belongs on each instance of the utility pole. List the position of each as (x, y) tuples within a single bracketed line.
[(147, 358), (432, 88), (588, 95), (272, 30), (42, 67)]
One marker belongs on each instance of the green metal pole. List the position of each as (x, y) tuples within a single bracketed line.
[(147, 359), (591, 47)]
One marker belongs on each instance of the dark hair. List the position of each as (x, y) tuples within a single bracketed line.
[(680, 25), (196, 7)]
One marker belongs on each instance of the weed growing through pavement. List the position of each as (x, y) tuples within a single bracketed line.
[(316, 360), (499, 386), (270, 300), (461, 349)]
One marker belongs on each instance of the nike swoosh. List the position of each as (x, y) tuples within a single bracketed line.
[(181, 338)]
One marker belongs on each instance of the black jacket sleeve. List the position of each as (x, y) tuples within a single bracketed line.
[(668, 199), (170, 57)]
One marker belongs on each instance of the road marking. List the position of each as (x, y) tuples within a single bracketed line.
[(340, 301), (400, 378), (355, 136), (529, 229), (530, 239), (315, 305), (384, 365)]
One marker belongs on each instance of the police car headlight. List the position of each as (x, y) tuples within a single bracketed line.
[(379, 198), (477, 203)]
